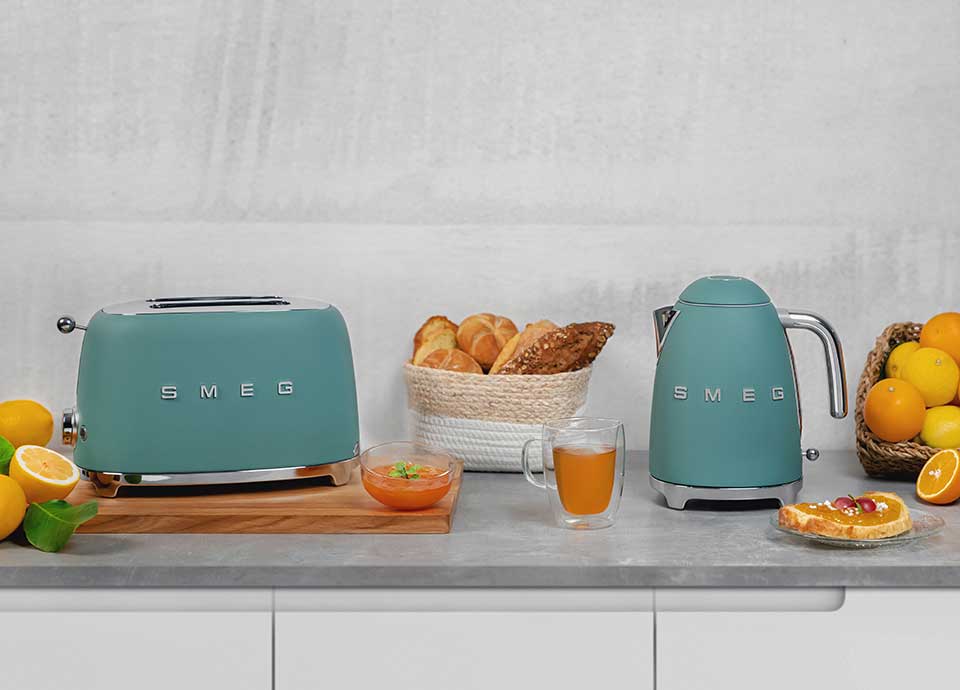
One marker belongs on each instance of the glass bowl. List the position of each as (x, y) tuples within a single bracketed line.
[(406, 475)]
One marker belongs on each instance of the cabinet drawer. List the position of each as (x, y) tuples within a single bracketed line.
[(147, 639), (895, 636), (464, 639)]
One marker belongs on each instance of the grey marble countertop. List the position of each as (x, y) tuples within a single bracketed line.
[(502, 536)]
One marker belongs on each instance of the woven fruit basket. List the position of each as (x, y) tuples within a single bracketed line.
[(880, 458), (485, 419)]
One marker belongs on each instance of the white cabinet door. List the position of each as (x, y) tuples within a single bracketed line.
[(464, 639), (120, 639), (793, 639)]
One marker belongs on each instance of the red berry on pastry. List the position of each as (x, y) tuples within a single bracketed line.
[(844, 502)]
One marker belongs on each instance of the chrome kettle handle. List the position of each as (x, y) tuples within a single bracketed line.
[(836, 372)]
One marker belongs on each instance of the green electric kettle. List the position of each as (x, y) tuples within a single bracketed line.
[(725, 421)]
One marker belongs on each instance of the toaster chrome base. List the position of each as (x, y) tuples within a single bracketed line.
[(677, 495), (107, 484)]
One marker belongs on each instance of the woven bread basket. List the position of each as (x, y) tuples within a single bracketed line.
[(880, 458), (485, 420)]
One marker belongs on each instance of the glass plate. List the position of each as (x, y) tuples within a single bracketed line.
[(924, 525)]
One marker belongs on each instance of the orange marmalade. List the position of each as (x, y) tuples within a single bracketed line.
[(884, 513)]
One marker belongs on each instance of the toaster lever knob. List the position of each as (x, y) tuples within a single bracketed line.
[(811, 454), (67, 324)]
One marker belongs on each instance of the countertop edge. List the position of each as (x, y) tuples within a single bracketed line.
[(907, 576)]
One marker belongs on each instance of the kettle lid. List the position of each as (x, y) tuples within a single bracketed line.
[(724, 290)]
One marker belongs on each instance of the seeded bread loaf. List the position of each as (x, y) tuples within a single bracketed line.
[(520, 342), (569, 348)]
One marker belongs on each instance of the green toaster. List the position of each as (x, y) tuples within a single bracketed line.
[(213, 390)]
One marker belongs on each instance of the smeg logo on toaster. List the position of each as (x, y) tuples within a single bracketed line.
[(714, 395), (212, 391)]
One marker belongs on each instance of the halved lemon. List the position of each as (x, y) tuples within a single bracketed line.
[(43, 474), (939, 480)]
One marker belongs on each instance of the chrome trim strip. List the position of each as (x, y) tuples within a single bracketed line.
[(677, 495), (107, 484)]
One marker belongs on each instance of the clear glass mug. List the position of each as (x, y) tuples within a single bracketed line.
[(583, 466)]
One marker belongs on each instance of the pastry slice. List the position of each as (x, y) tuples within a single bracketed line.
[(874, 515), (569, 348)]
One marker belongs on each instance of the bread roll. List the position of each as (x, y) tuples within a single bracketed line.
[(430, 327), (440, 340), (521, 341), (482, 336), (452, 360)]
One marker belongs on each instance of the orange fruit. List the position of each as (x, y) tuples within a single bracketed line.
[(939, 480), (943, 332), (894, 410), (934, 373)]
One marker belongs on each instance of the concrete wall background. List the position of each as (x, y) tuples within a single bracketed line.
[(571, 160)]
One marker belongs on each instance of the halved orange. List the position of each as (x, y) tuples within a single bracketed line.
[(939, 480), (43, 474)]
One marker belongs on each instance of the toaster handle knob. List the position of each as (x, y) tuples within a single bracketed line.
[(811, 454), (67, 324), (69, 427)]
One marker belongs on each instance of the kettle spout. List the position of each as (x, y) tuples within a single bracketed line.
[(661, 324)]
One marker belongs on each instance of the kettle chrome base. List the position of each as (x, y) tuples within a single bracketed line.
[(677, 495), (107, 484)]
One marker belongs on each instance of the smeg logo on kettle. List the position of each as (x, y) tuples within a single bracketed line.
[(713, 395), (212, 392)]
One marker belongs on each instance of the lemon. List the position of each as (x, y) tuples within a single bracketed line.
[(25, 422), (934, 373), (13, 504), (45, 475), (941, 427), (898, 359)]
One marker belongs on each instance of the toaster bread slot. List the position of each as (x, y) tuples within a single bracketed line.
[(213, 298), (215, 302)]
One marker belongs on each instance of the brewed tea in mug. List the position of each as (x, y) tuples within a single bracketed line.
[(585, 477), (583, 464)]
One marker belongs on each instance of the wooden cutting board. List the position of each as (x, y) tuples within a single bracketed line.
[(294, 508)]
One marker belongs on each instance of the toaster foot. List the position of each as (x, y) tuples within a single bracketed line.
[(677, 495)]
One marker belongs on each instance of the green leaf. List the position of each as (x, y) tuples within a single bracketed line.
[(6, 454), (49, 526)]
